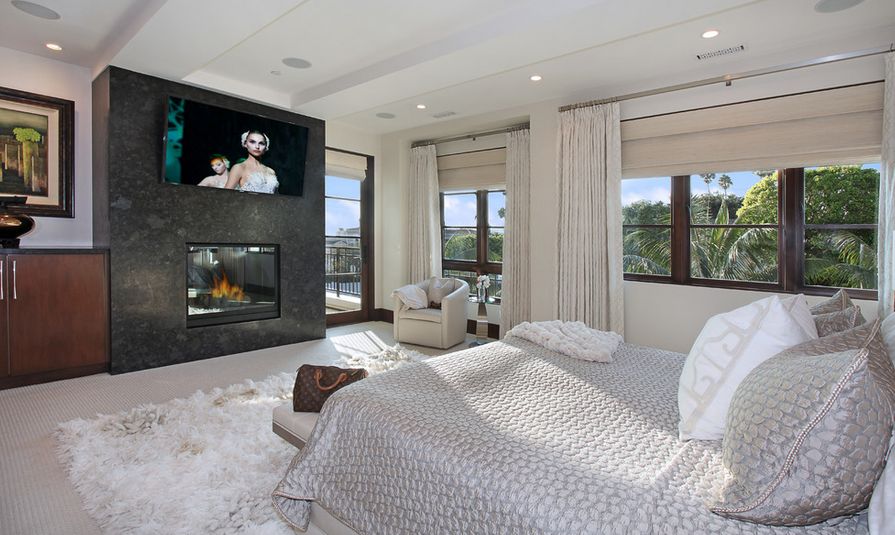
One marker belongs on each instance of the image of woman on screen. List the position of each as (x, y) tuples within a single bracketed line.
[(252, 175), (220, 165)]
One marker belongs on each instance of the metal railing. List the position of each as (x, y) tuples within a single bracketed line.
[(343, 267)]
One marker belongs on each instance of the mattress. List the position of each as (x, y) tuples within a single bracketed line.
[(511, 437)]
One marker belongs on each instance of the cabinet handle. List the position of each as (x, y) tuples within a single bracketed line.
[(14, 280), (1, 280)]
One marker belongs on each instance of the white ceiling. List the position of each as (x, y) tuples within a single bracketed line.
[(464, 56)]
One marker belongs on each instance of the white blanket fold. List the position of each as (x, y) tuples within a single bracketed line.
[(571, 338)]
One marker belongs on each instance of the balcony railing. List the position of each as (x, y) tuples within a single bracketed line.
[(343, 266)]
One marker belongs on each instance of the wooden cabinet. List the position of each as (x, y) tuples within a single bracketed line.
[(54, 316)]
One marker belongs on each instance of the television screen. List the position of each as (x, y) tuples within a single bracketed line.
[(219, 148)]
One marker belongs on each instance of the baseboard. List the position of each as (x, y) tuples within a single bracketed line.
[(386, 315), (16, 381)]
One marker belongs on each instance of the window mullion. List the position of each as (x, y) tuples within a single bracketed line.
[(481, 230), (792, 217), (680, 229)]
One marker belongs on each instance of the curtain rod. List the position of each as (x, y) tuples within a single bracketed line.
[(727, 79), (473, 135)]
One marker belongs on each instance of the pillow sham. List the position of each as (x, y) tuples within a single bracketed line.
[(789, 423), (839, 301), (888, 330), (881, 513), (728, 348), (411, 297), (797, 305), (834, 322)]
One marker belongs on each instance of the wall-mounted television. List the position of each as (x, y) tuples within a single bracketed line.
[(216, 147)]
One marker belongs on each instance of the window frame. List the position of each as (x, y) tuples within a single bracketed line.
[(791, 229), (481, 265)]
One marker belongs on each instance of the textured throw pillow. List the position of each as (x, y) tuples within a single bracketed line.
[(806, 438), (866, 335), (839, 301), (411, 297), (439, 289), (834, 322), (728, 348)]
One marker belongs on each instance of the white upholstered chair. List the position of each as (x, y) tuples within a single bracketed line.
[(433, 327)]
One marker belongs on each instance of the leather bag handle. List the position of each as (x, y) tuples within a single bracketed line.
[(318, 374)]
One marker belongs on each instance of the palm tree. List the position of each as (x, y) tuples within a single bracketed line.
[(841, 259), (708, 178), (724, 181)]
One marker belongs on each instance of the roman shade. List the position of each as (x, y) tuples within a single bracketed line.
[(840, 126), (345, 165), (482, 169)]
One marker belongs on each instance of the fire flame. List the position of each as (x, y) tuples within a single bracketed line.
[(223, 288)]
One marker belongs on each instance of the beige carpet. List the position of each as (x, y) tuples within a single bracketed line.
[(35, 495)]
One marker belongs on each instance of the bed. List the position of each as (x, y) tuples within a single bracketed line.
[(511, 437)]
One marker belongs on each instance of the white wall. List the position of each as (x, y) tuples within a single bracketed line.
[(43, 76), (660, 315)]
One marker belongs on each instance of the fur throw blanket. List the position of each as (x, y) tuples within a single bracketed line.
[(571, 338)]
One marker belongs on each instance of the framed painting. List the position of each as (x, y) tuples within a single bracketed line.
[(37, 152)]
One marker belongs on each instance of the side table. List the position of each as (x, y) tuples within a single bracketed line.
[(481, 326)]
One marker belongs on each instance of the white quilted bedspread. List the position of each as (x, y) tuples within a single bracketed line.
[(514, 438)]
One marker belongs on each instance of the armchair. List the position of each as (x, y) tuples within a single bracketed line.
[(433, 327)]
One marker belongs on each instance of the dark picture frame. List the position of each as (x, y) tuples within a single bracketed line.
[(37, 157)]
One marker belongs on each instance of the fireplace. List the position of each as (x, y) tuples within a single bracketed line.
[(231, 283)]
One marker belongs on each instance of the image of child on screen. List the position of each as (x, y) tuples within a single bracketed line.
[(220, 165), (252, 175)]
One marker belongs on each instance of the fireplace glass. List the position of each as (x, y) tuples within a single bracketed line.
[(231, 283)]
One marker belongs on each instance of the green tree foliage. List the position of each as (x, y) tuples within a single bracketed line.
[(760, 203), (646, 213), (705, 207), (463, 247), (840, 195)]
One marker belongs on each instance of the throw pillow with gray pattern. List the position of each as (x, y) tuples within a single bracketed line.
[(839, 301), (834, 322), (806, 438)]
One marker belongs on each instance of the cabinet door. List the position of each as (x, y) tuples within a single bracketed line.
[(4, 344), (58, 315)]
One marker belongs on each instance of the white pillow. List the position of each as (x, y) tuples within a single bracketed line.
[(728, 348), (411, 296), (797, 305), (439, 289), (887, 328), (881, 513)]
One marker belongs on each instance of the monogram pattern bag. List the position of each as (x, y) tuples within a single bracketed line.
[(314, 384)]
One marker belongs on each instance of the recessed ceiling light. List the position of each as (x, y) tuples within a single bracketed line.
[(385, 115), (535, 77), (36, 9), (708, 34), (832, 6), (296, 63), (275, 72), (54, 46), (420, 106)]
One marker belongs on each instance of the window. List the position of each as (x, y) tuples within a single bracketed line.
[(343, 242), (472, 230), (805, 230)]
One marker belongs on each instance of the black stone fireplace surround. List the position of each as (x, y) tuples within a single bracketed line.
[(146, 225)]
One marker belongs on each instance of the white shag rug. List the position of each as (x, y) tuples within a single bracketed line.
[(205, 464)]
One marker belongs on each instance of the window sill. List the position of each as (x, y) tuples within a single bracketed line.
[(854, 293)]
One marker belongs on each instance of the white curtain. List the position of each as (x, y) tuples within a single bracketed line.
[(589, 264), (886, 239), (515, 302), (424, 211)]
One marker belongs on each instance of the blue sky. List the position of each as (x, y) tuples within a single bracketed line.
[(341, 213), (459, 210), (659, 189)]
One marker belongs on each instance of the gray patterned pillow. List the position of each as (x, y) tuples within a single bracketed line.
[(839, 301), (806, 438), (834, 322), (870, 335)]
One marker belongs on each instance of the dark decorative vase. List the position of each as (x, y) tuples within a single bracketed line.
[(13, 225)]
